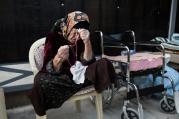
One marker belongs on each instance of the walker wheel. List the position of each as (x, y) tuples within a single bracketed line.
[(170, 108), (131, 113)]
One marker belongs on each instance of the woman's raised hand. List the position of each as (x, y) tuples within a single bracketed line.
[(84, 35)]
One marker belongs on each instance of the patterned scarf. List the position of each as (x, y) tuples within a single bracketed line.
[(74, 19)]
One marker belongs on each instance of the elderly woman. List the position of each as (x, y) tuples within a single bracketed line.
[(67, 46)]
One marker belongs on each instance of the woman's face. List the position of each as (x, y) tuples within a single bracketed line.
[(73, 36)]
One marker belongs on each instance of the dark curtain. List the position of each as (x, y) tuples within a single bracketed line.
[(24, 21)]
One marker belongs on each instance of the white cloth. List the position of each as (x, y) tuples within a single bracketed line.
[(78, 71)]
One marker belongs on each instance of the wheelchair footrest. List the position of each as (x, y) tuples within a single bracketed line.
[(145, 91)]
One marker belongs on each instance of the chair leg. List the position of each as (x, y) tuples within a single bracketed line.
[(78, 105), (3, 114), (99, 106), (40, 117)]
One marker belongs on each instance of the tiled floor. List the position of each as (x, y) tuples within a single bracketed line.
[(15, 76), (68, 111), (20, 75)]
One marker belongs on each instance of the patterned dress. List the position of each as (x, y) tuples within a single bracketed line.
[(51, 89)]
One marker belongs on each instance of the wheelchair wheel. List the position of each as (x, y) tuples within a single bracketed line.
[(107, 96), (170, 108), (131, 113)]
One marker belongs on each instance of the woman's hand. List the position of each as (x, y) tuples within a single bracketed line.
[(84, 35), (62, 54)]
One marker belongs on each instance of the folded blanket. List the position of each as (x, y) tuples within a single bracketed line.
[(140, 61), (171, 73), (147, 81)]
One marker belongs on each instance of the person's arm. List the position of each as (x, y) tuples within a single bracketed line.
[(60, 57), (87, 56), (88, 52), (57, 63)]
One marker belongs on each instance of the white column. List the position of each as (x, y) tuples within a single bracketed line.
[(3, 114)]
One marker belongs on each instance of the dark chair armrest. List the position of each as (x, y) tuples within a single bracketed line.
[(151, 44)]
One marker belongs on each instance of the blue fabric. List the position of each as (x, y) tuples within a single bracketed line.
[(143, 81), (172, 74), (170, 90), (147, 81)]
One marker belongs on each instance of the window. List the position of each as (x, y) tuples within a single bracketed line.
[(173, 33)]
